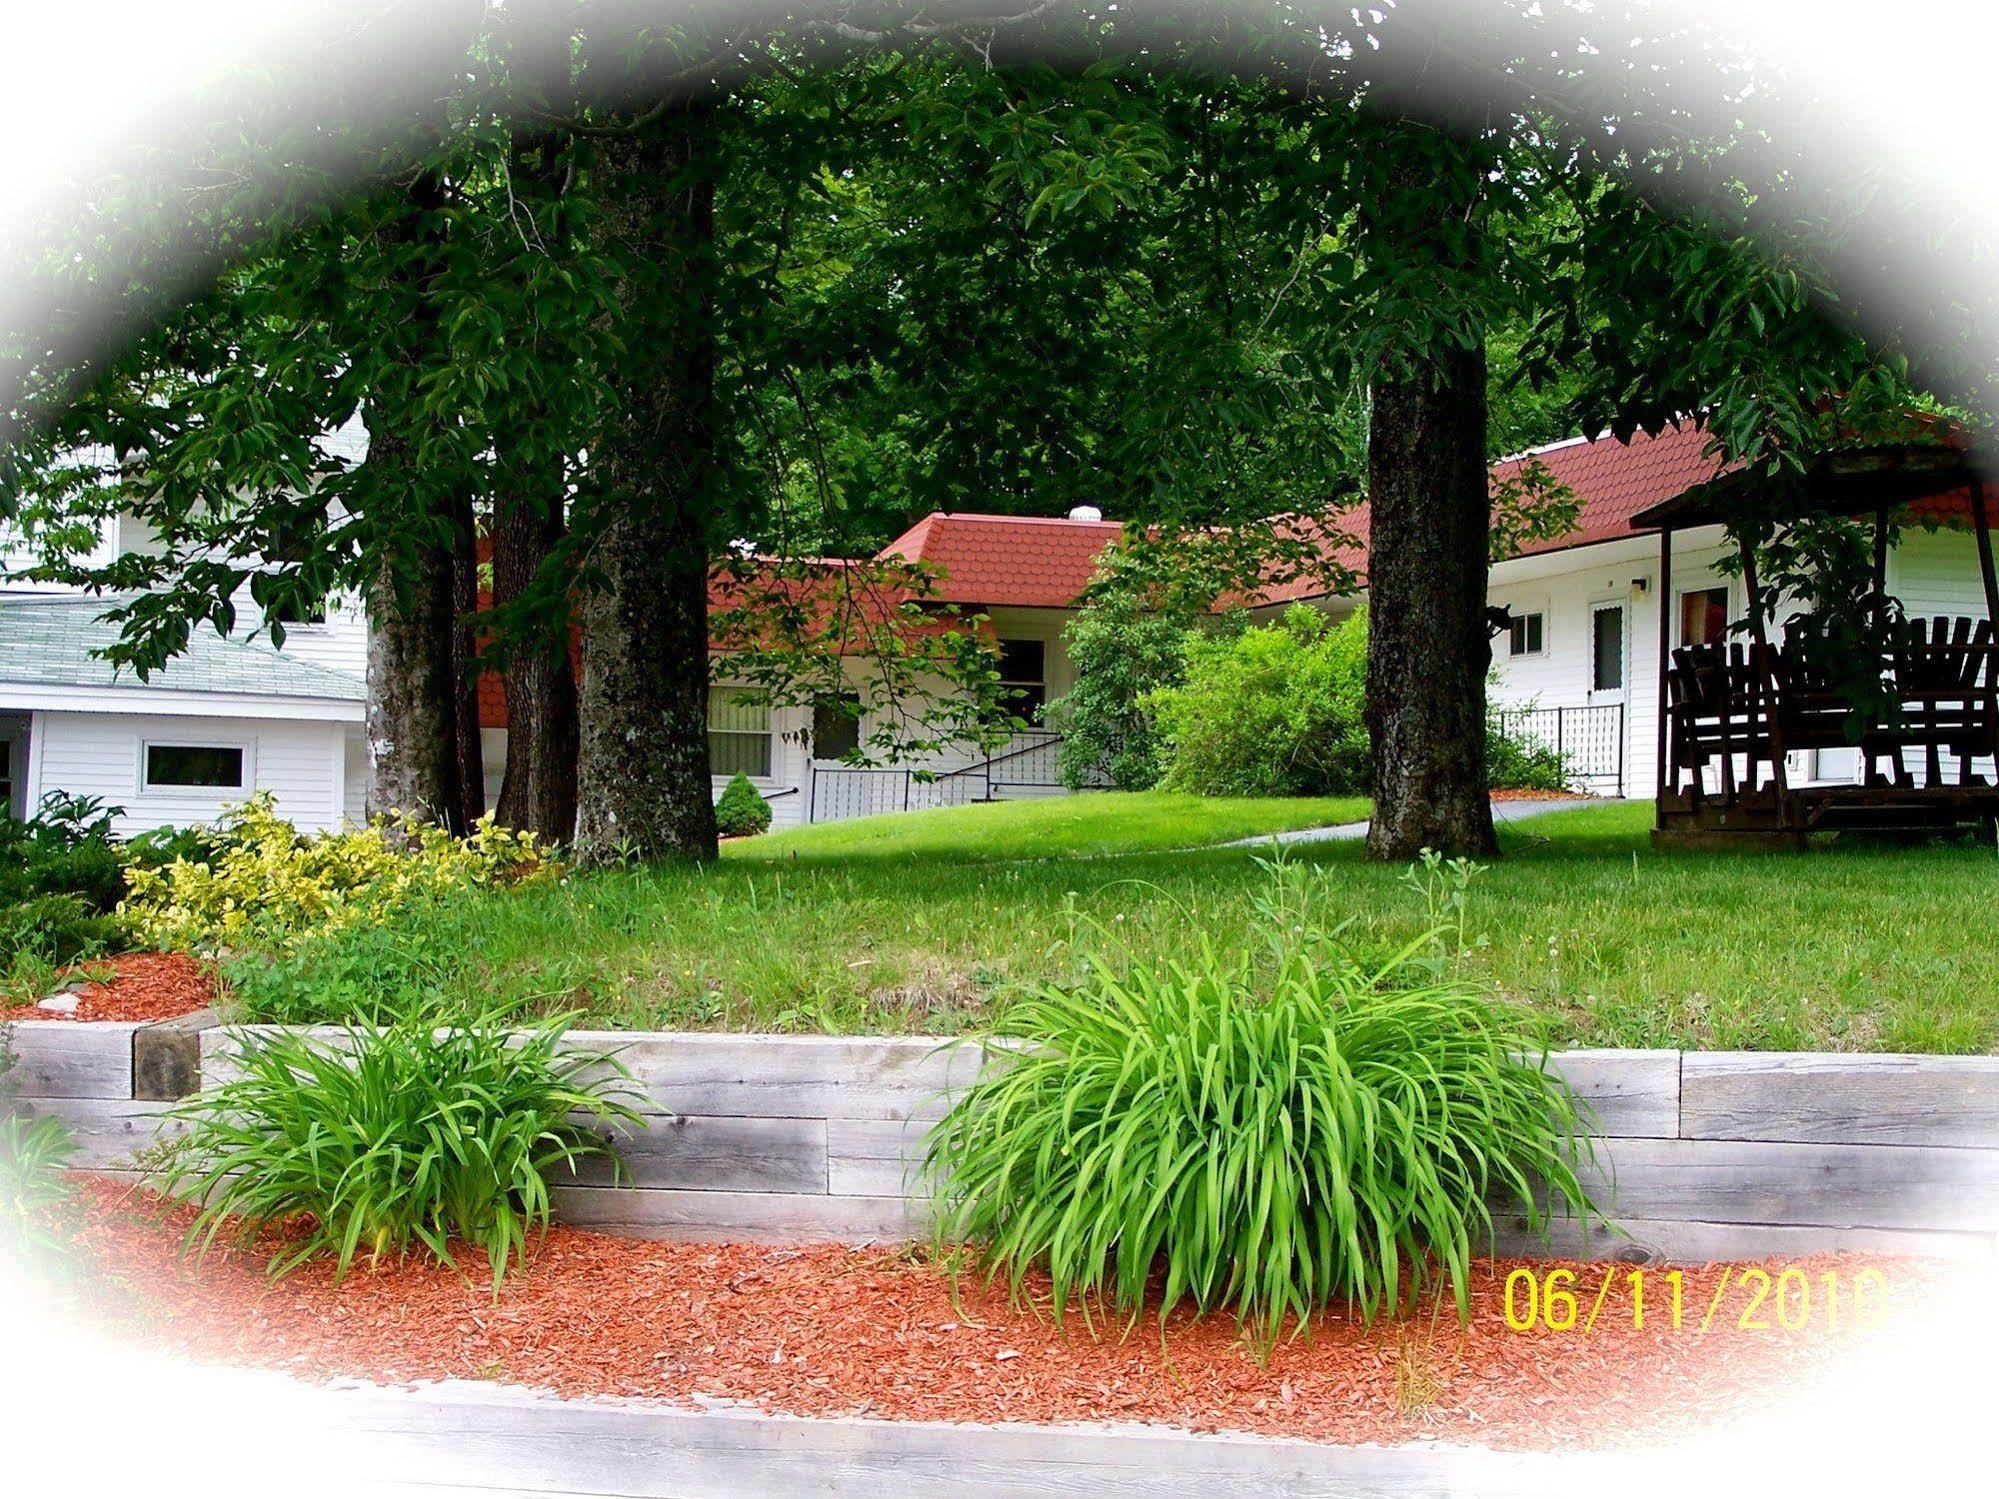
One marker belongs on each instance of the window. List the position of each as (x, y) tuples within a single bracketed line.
[(836, 727), (6, 778), (738, 732), (209, 766), (1525, 635), (293, 612), (1703, 615), (1023, 678), (1607, 648)]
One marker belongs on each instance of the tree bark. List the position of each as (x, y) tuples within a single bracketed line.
[(642, 771), (538, 792), (412, 738), (1430, 522)]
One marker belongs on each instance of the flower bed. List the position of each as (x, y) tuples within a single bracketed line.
[(832, 1331), (140, 986)]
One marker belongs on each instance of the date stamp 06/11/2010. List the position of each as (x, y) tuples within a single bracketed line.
[(1747, 1298)]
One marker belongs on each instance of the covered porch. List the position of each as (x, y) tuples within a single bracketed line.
[(1916, 696)]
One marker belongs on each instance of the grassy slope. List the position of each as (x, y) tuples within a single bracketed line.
[(1864, 948), (1100, 822)]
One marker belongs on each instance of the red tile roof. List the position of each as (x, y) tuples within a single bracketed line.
[(1033, 562), (1615, 480)]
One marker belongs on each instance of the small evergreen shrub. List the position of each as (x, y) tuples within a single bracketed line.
[(408, 1137), (742, 811), (53, 929), (1270, 710), (67, 849), (1331, 1134), (267, 886)]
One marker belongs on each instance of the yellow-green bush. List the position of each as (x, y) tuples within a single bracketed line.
[(266, 885)]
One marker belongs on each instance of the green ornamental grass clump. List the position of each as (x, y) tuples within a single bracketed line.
[(742, 811), (1188, 1132), (377, 1141)]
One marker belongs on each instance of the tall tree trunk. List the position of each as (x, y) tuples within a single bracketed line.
[(470, 752), (538, 793), (412, 739), (642, 771), (1430, 521)]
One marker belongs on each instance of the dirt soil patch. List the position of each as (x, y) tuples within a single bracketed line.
[(831, 1331), (1528, 794), (141, 986)]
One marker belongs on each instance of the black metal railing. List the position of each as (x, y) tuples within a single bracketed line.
[(1589, 740), (1029, 762)]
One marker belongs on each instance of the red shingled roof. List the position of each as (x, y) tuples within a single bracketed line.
[(1615, 480), (1031, 562)]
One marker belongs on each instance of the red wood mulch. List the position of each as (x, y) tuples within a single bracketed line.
[(1524, 794), (142, 986), (829, 1331)]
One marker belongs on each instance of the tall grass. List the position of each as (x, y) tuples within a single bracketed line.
[(381, 1140), (1180, 1134)]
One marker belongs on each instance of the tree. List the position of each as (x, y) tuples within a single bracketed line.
[(642, 773)]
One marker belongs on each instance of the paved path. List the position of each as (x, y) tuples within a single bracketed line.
[(1505, 811)]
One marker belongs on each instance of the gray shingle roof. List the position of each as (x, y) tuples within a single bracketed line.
[(51, 642)]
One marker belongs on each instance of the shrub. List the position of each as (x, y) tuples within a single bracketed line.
[(1517, 761), (67, 849), (267, 886), (1336, 1140), (53, 929), (742, 812), (409, 1136), (1123, 652), (1271, 710)]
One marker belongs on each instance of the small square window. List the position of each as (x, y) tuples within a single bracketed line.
[(836, 727), (209, 766), (1525, 635), (1023, 678), (1703, 615)]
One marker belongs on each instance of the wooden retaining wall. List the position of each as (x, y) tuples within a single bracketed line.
[(1704, 1155)]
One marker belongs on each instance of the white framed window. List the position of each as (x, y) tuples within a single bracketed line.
[(1527, 634), (6, 776), (738, 732), (193, 765)]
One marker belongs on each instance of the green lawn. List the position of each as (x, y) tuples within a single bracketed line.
[(1866, 948), (1098, 822)]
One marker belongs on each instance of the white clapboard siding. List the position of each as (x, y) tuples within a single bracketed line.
[(97, 754)]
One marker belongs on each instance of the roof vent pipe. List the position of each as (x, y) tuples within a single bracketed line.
[(1086, 512)]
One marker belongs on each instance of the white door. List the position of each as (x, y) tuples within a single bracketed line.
[(1604, 737), (1609, 651)]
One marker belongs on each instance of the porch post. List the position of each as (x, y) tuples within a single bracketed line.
[(1983, 524), (1880, 564), (1767, 674), (1659, 771)]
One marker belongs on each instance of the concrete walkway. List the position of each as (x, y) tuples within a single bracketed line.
[(1502, 812)]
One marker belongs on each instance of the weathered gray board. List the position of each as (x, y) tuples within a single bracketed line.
[(481, 1440), (1702, 1156)]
